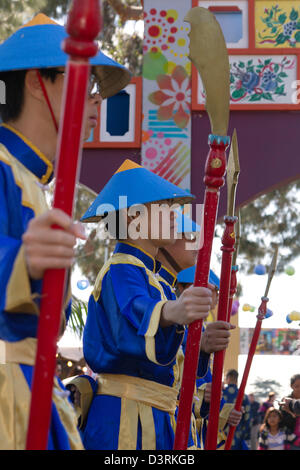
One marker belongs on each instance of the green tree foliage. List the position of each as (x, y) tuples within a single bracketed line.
[(14, 13), (262, 388), (272, 219), (123, 47)]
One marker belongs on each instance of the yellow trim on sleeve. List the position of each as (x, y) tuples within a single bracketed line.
[(18, 293)]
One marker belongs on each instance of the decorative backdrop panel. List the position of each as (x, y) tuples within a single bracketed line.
[(277, 23), (259, 80), (166, 125)]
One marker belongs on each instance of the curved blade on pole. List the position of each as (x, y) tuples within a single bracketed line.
[(209, 54), (261, 315), (233, 172), (83, 26), (228, 241)]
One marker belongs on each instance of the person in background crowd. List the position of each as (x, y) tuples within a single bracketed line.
[(255, 420), (290, 418), (273, 435), (266, 405)]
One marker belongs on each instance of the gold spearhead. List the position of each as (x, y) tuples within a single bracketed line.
[(237, 229), (233, 171), (209, 54)]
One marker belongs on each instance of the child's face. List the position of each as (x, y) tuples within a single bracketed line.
[(296, 389), (273, 419)]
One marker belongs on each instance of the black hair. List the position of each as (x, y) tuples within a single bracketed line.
[(294, 378), (14, 82), (233, 374)]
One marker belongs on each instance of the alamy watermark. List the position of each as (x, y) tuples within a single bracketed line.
[(295, 85), (156, 221)]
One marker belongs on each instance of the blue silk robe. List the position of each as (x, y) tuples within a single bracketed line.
[(23, 172), (123, 340), (168, 281)]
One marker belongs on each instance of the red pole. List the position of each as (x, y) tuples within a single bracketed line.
[(239, 399), (228, 241), (214, 179), (83, 27)]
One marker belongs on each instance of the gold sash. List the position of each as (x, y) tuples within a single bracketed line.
[(15, 397), (138, 396)]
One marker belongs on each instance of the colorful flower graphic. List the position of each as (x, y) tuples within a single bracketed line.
[(173, 97), (281, 28), (160, 30), (264, 80)]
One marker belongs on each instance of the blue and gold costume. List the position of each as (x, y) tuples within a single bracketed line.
[(134, 356), (23, 171), (202, 412), (123, 341), (168, 282), (242, 432), (201, 408)]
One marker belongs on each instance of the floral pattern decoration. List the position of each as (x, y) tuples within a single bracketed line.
[(173, 96), (264, 80), (281, 29)]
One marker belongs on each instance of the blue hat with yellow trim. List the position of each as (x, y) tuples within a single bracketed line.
[(132, 184), (187, 276), (37, 45)]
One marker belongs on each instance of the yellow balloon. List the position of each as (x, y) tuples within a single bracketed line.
[(294, 316), (246, 307)]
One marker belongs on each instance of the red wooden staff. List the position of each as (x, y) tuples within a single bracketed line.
[(228, 242), (216, 389), (261, 315), (83, 26), (209, 54), (214, 172)]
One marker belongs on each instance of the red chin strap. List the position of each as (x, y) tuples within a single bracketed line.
[(47, 99)]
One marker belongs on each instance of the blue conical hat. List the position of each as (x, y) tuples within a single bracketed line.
[(133, 184), (185, 224), (37, 45), (187, 276)]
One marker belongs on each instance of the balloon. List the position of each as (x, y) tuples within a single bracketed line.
[(252, 309), (288, 319), (269, 313), (235, 307), (83, 284), (294, 316), (260, 269), (289, 270), (246, 307)]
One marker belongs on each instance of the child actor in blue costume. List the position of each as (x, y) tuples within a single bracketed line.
[(30, 58), (133, 332), (215, 335)]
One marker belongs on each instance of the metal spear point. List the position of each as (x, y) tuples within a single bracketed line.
[(232, 174), (261, 315)]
